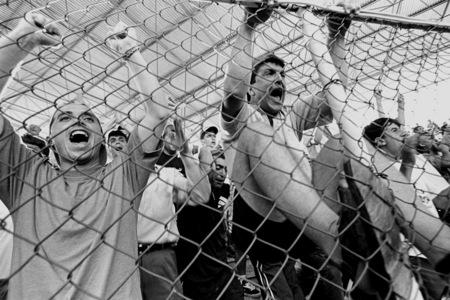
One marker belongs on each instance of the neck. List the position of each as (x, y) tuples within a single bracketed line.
[(66, 165)]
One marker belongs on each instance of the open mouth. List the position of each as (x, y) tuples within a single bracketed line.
[(79, 136), (277, 93)]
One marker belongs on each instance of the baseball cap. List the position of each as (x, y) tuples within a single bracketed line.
[(212, 129), (118, 132)]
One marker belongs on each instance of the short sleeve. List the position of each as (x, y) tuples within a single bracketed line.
[(140, 163)]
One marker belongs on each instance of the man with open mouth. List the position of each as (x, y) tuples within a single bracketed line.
[(117, 140), (75, 227), (265, 158)]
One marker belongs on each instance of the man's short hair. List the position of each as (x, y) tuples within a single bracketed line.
[(269, 58), (212, 129), (376, 128), (29, 139), (117, 132)]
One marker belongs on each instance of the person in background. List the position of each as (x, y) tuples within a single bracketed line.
[(201, 251), (208, 137), (117, 140), (264, 153), (157, 229)]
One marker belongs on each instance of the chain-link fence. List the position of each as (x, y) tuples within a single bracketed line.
[(223, 149)]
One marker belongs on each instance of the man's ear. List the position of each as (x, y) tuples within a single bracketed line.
[(380, 142)]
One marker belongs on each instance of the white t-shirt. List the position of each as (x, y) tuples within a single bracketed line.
[(157, 220)]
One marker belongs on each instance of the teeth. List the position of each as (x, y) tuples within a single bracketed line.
[(79, 132)]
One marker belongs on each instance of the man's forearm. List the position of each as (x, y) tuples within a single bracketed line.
[(11, 54), (198, 181), (237, 80), (156, 107), (148, 86), (338, 50)]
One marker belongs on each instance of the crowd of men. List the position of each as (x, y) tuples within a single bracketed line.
[(364, 218)]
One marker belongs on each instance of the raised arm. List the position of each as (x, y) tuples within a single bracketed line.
[(237, 80), (32, 31), (198, 187), (401, 109), (150, 129), (206, 159), (333, 87), (379, 103), (336, 41)]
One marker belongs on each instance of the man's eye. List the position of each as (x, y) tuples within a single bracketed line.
[(89, 119), (64, 118)]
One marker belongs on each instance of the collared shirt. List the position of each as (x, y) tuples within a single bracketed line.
[(157, 217), (289, 125)]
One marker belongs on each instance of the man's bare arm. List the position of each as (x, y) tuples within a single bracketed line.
[(237, 80), (198, 186), (154, 99), (401, 109), (379, 103), (334, 89), (34, 30), (206, 159), (336, 41)]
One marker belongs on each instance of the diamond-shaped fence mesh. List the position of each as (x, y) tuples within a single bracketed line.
[(224, 150)]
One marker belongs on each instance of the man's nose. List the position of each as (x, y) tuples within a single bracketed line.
[(80, 121)]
